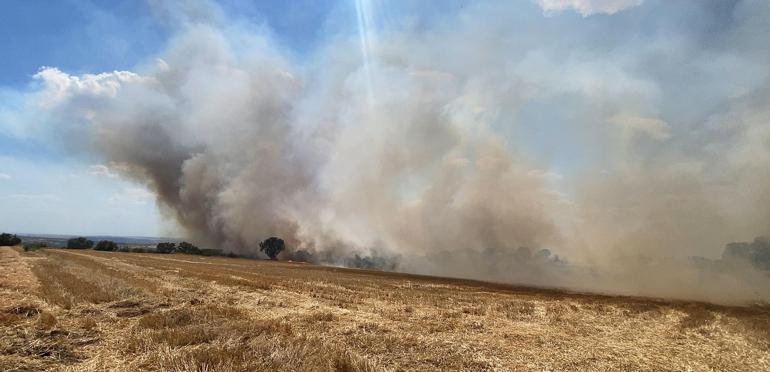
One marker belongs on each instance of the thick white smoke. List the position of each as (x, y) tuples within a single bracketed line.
[(425, 150)]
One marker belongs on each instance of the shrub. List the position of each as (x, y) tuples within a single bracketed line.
[(79, 243), (106, 245), (9, 239), (211, 252), (139, 250), (34, 246), (302, 255), (376, 261), (165, 247), (185, 247)]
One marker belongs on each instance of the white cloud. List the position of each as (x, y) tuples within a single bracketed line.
[(102, 170), (35, 197), (588, 7), (653, 127), (59, 85), (132, 195), (4, 176)]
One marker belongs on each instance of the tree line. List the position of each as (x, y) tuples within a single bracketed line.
[(163, 247), (755, 253), (271, 246)]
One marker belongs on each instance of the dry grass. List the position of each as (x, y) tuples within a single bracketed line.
[(46, 320), (85, 310)]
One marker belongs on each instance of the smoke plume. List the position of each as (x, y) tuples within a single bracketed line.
[(623, 143)]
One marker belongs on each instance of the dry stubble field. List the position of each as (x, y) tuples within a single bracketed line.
[(86, 310)]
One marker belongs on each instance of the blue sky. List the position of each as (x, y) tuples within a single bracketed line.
[(48, 190), (77, 36)]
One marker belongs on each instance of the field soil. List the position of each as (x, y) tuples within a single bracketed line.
[(86, 310)]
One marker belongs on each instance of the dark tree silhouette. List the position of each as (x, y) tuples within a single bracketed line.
[(9, 239), (165, 247), (79, 243), (185, 247), (272, 247), (302, 255), (757, 252), (106, 245)]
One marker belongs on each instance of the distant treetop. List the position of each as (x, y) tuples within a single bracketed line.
[(272, 246), (9, 239), (80, 243)]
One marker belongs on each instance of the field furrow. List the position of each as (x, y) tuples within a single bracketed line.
[(87, 310)]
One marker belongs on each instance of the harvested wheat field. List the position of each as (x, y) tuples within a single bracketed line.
[(87, 310)]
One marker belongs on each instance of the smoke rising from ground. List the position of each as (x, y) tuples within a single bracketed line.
[(464, 138)]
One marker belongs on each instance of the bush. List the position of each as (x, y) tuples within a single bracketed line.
[(375, 260), (34, 246), (166, 247), (106, 245), (124, 249), (185, 247), (139, 250), (211, 252), (302, 255), (79, 243), (9, 239)]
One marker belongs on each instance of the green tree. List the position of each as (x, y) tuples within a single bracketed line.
[(106, 245), (165, 247), (80, 243), (9, 239), (272, 247), (185, 247)]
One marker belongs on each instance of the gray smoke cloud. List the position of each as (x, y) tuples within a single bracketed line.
[(625, 143)]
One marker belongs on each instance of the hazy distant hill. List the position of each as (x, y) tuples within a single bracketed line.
[(60, 240)]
